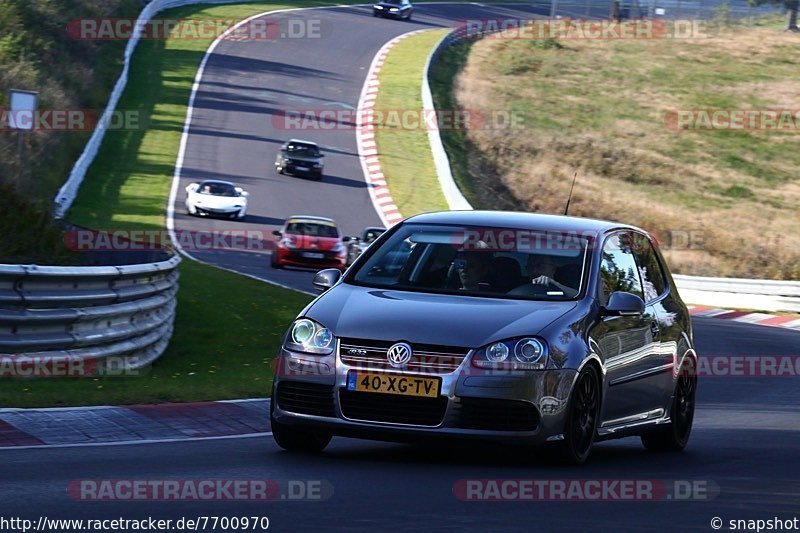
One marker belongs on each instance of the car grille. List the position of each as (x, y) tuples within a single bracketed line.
[(498, 415), (396, 409), (427, 358), (305, 398)]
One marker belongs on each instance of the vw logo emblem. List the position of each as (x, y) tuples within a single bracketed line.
[(399, 354)]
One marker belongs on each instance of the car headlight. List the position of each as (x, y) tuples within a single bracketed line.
[(317, 165), (288, 243), (393, 9), (307, 336), (337, 248), (526, 353), (378, 7)]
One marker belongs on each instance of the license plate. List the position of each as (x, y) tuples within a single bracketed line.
[(393, 384), (302, 169), (313, 255)]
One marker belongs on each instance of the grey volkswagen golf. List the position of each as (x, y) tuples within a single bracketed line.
[(499, 326)]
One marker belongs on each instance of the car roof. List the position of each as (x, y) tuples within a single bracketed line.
[(301, 141), (310, 218), (218, 182), (520, 220)]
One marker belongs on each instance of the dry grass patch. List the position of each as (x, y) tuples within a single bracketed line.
[(599, 107)]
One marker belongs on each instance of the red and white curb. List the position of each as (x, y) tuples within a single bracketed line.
[(365, 138), (762, 319)]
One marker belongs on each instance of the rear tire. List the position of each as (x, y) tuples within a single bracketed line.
[(583, 411), (674, 436), (293, 439)]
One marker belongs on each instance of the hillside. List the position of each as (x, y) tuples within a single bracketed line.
[(723, 201), (37, 53)]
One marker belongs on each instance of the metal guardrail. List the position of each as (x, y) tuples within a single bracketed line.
[(764, 295), (738, 293), (66, 314)]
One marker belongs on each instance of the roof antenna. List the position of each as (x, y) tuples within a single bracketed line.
[(574, 177)]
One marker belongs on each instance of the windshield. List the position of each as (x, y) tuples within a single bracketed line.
[(508, 263), (393, 2), (312, 228), (302, 150), (372, 234), (217, 189)]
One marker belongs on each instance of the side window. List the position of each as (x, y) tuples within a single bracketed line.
[(650, 269), (618, 271)]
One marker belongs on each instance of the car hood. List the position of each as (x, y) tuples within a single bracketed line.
[(313, 242), (217, 201), (390, 315)]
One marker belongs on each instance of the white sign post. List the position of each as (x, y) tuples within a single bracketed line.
[(22, 111)]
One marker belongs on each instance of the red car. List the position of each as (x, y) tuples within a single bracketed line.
[(311, 242)]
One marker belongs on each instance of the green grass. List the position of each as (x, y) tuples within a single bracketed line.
[(228, 326), (128, 184), (227, 332), (405, 153), (455, 142)]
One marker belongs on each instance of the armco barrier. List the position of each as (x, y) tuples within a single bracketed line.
[(763, 295), (66, 195), (66, 314)]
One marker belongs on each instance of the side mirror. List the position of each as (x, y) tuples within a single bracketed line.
[(241, 192), (192, 187), (623, 304), (322, 155), (276, 232), (346, 239), (325, 279)]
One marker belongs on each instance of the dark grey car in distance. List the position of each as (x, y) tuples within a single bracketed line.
[(498, 326), (300, 158), (399, 9)]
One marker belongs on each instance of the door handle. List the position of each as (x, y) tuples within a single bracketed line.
[(654, 329)]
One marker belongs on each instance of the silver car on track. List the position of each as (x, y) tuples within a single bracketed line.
[(511, 327)]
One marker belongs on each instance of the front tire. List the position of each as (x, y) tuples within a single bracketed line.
[(293, 439), (583, 413), (674, 436), (273, 260)]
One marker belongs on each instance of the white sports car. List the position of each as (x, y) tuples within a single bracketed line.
[(216, 198)]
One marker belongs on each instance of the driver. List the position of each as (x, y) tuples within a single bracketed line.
[(542, 270)]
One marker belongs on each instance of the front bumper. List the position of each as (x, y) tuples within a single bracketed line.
[(286, 257), (519, 408), (387, 13), (220, 212), (295, 169)]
